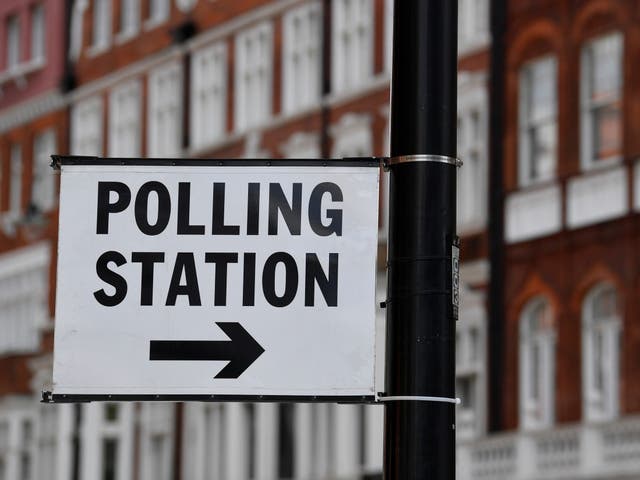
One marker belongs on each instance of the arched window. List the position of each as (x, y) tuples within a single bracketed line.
[(537, 365), (600, 353)]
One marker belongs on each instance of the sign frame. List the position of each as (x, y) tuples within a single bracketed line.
[(58, 161)]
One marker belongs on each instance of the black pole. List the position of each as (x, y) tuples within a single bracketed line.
[(496, 221), (421, 315)]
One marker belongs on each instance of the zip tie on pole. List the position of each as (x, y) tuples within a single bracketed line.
[(417, 398), (423, 158)]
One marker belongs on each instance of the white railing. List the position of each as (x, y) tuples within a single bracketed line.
[(607, 450)]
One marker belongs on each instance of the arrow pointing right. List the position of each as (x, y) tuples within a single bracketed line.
[(241, 351)]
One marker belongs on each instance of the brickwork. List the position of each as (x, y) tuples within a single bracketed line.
[(566, 265)]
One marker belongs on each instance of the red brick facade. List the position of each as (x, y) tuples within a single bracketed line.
[(565, 265)]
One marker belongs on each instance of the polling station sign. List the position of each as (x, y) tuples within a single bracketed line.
[(215, 279)]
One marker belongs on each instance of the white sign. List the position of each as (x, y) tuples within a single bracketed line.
[(194, 279)]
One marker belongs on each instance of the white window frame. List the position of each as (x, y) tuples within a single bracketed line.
[(588, 106), (473, 25), (38, 33), (43, 184), (158, 13), (95, 429), (302, 57), (125, 120), (302, 145), (24, 300), (353, 44), (129, 19), (388, 35), (527, 125), (16, 162), (87, 126), (471, 356), (156, 421), (352, 136), (600, 404), (101, 35), (472, 144), (13, 35), (12, 417), (164, 133), (253, 76), (537, 413), (209, 74)]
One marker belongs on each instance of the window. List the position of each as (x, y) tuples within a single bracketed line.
[(4, 449), (601, 353), (253, 76), (470, 364), (302, 57), (320, 442), (43, 195), (286, 449), (352, 43), (24, 277), (86, 127), (129, 17), (472, 174), (473, 25), (101, 24), (158, 11), (538, 121), (209, 94), (537, 365), (601, 100), (165, 111), (15, 176), (301, 145), (26, 450), (13, 42), (215, 441), (107, 441), (37, 34), (472, 149), (124, 121), (157, 441), (47, 440), (352, 136), (388, 34)]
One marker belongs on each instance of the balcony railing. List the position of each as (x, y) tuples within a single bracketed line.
[(607, 450)]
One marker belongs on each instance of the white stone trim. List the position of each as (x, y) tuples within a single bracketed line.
[(29, 110)]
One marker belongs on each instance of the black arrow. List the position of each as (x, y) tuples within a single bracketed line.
[(241, 351)]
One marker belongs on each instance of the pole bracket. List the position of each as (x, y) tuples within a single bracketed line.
[(422, 159), (416, 398)]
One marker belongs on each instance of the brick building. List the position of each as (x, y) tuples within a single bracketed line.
[(310, 78), (203, 78), (32, 125), (565, 374)]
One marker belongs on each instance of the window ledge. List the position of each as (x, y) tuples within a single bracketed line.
[(152, 23), (95, 50), (124, 37), (597, 165), (532, 185), (18, 72)]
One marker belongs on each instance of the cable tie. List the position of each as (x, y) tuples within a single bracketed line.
[(417, 398)]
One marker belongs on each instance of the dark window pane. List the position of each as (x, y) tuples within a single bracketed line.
[(109, 458)]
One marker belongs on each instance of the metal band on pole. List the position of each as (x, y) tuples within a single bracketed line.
[(424, 158), (422, 248)]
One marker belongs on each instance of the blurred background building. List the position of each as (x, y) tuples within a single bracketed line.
[(548, 343)]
